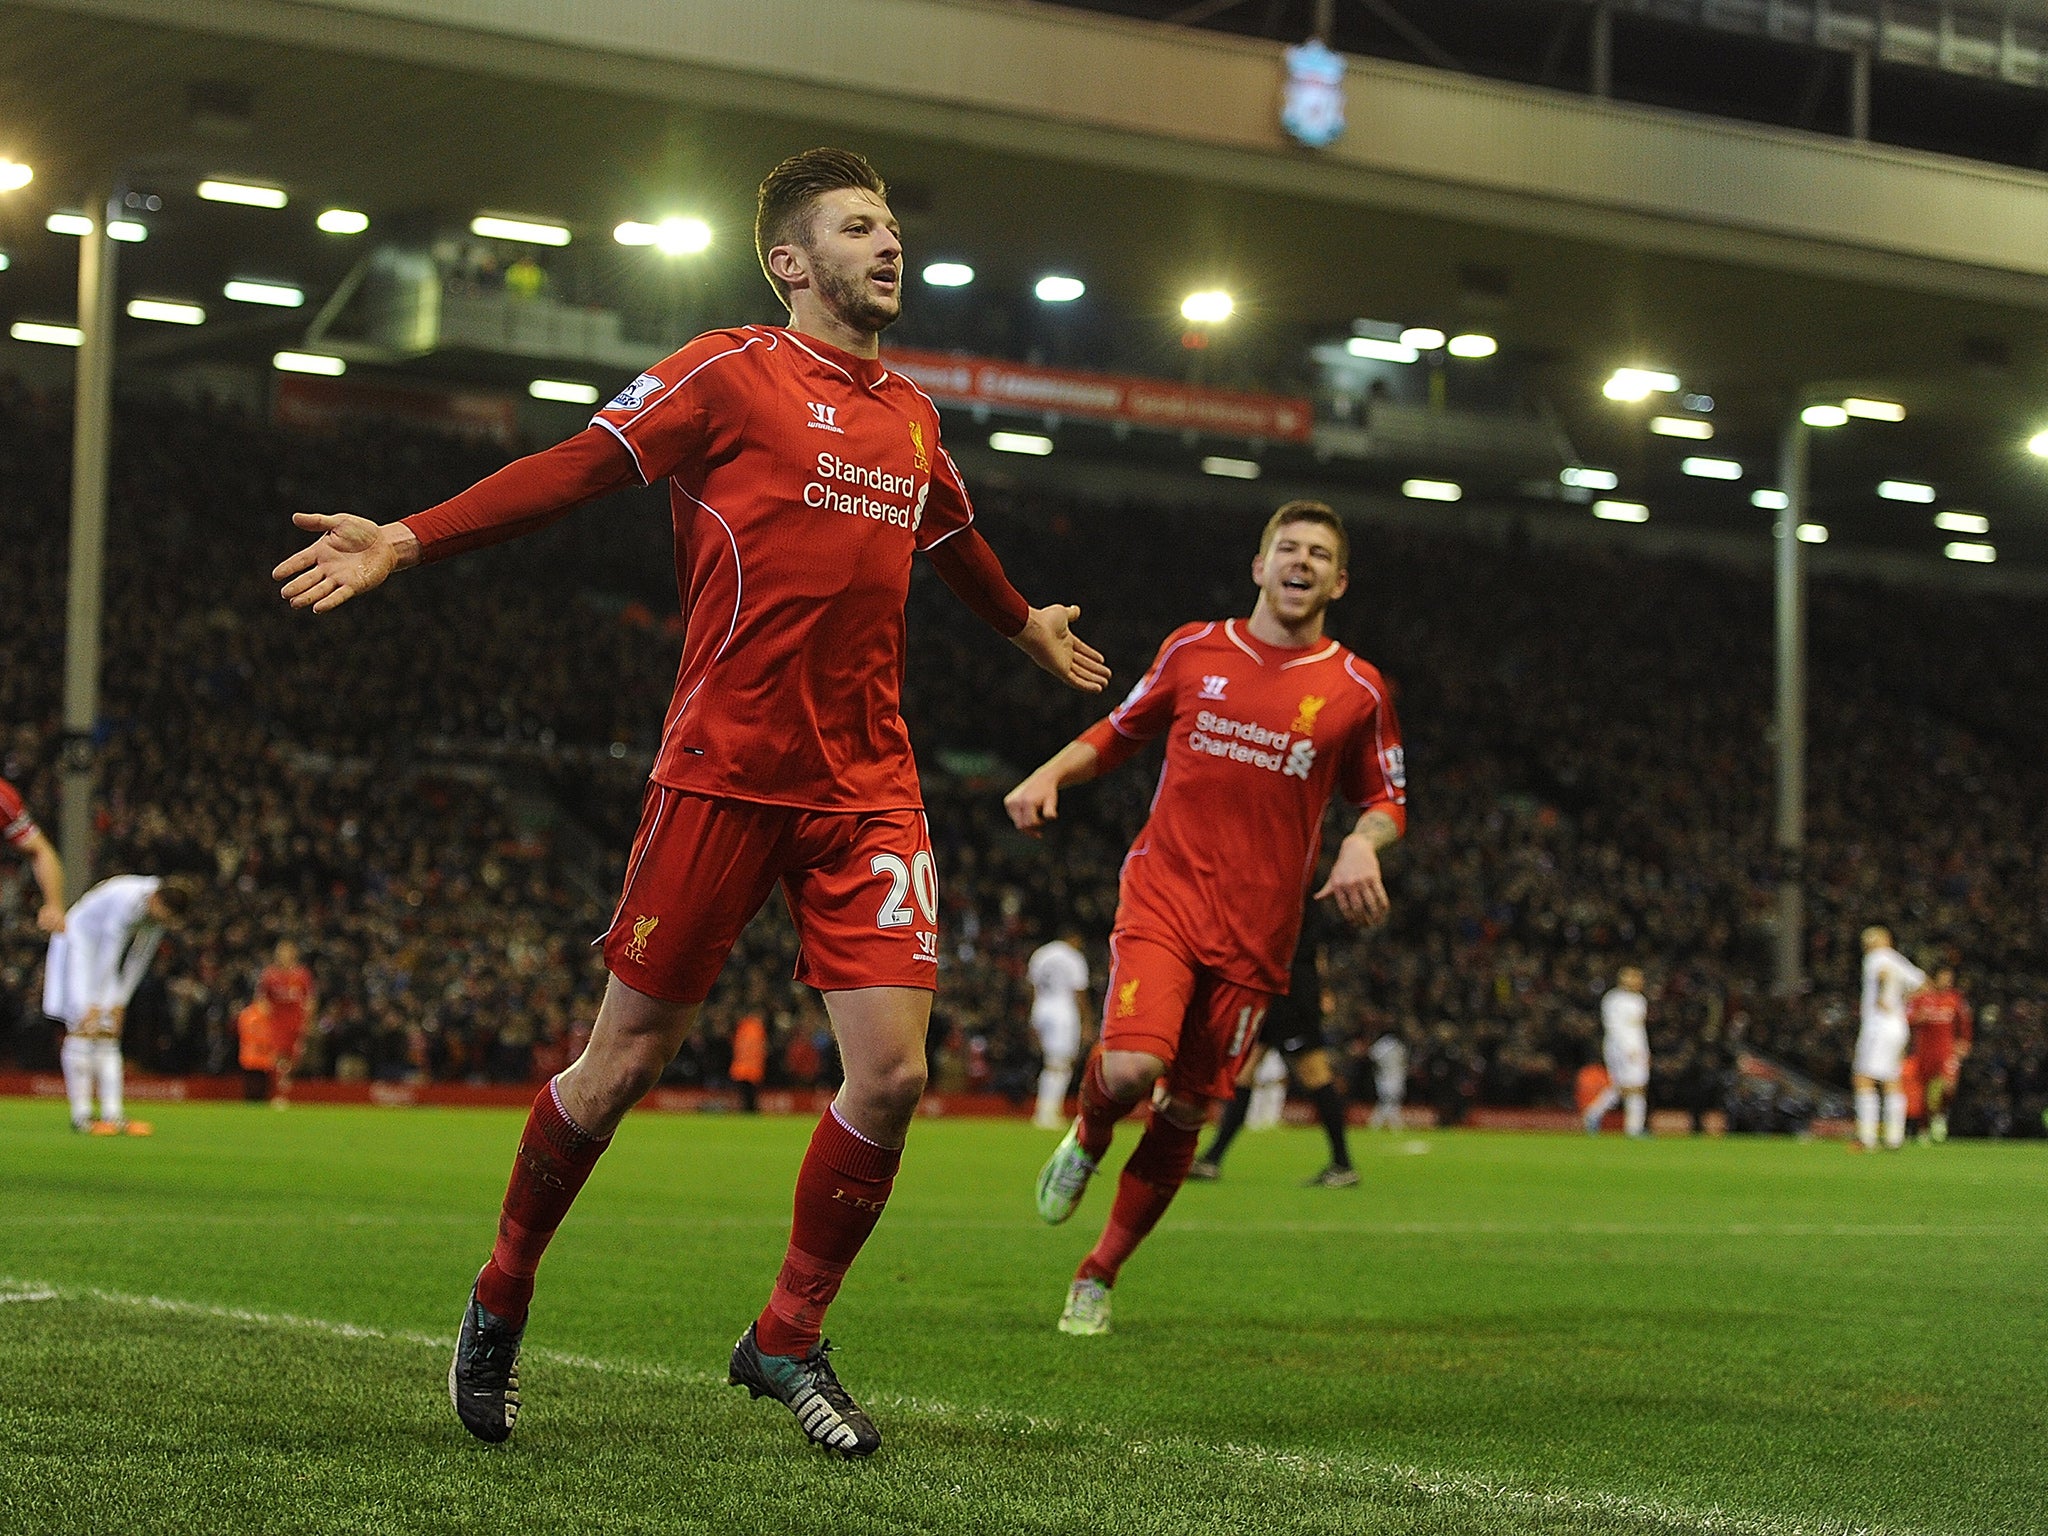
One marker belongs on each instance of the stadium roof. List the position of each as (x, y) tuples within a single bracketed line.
[(421, 145)]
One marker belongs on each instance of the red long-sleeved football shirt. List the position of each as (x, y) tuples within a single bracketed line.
[(1257, 737), (801, 480)]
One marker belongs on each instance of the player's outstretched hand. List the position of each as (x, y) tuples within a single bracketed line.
[(1034, 802), (1047, 640), (1355, 883), (352, 556)]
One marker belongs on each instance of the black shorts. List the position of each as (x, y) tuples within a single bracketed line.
[(1294, 1024)]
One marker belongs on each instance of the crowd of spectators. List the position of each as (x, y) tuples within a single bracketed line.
[(432, 791)]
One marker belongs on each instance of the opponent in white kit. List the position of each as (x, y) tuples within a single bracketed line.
[(109, 937), (1389, 1056), (1058, 973), (1889, 979), (1625, 1043)]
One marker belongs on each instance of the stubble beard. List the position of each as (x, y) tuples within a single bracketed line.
[(847, 296)]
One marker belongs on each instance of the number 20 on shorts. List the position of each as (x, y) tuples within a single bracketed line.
[(918, 877)]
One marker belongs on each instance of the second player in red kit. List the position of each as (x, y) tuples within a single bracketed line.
[(803, 476), (1264, 718)]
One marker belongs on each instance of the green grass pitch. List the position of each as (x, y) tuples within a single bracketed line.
[(242, 1324)]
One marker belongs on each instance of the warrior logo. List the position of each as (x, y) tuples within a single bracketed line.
[(1127, 998), (1305, 714), (825, 418), (917, 458), (1213, 686), (643, 930)]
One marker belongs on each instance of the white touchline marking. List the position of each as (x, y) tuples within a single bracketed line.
[(1464, 1486)]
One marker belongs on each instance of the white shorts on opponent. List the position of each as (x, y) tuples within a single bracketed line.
[(1628, 1072), (1881, 1051), (1059, 1036)]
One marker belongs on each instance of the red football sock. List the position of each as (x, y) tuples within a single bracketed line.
[(1144, 1190), (1099, 1111), (555, 1157), (840, 1192)]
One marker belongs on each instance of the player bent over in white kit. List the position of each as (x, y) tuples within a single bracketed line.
[(110, 935), (1889, 979), (1625, 1043), (1058, 973)]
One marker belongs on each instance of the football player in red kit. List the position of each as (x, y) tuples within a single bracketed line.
[(803, 475), (1941, 1023), (18, 830), (286, 987), (1263, 718)]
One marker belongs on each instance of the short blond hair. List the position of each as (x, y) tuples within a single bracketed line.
[(1308, 512)]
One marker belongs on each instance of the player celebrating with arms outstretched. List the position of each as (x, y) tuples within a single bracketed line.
[(803, 475), (1263, 718)]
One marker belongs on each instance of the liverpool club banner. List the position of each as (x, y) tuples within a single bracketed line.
[(959, 379)]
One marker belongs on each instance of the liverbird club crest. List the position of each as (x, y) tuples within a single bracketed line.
[(1312, 110)]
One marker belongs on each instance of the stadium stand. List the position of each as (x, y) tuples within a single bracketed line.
[(434, 791)]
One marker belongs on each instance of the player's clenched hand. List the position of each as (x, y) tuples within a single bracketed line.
[(1355, 883), (352, 556), (1047, 640), (50, 917), (1034, 802)]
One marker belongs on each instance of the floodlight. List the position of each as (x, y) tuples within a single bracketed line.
[(1632, 384), (1975, 554), (1621, 511), (1020, 442), (565, 390), (499, 226), (949, 274), (1432, 490), (1811, 533), (169, 311), (672, 236), (245, 193), (1681, 426), (49, 335), (1423, 338), (1231, 469), (1874, 410), (1472, 344), (1211, 306), (1905, 490), (342, 221), (14, 175), (1962, 522), (1382, 351), (1823, 415), (1058, 289), (309, 362), (682, 237), (1712, 469), (1770, 501), (127, 231), (1583, 478), (276, 295), (68, 224)]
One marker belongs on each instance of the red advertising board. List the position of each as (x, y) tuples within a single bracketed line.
[(1154, 403)]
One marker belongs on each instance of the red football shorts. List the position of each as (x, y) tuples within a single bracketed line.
[(862, 889), (1161, 1003)]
